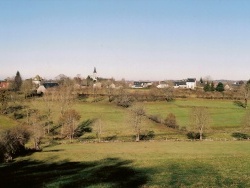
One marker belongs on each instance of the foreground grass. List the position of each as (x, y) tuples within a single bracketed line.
[(144, 164)]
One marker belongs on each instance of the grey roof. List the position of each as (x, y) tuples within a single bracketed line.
[(178, 83), (50, 84), (191, 79)]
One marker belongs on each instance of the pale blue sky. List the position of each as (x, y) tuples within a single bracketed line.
[(131, 39)]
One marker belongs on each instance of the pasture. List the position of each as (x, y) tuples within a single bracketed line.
[(131, 164), (226, 117)]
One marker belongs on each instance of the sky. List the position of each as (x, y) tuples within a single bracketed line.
[(126, 39)]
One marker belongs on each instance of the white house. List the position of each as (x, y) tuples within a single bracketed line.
[(141, 84), (191, 83), (43, 88), (162, 85)]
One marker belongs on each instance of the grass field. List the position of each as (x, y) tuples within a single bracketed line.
[(130, 164), (226, 117), (224, 113)]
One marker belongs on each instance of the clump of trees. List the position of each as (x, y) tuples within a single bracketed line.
[(210, 87)]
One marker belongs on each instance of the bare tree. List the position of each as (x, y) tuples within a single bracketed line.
[(49, 98), (27, 87), (199, 119), (168, 93), (246, 92), (65, 95), (36, 122), (98, 128), (246, 120), (110, 90), (69, 121), (137, 113)]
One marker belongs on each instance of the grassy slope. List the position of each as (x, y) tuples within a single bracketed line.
[(149, 164), (6, 122)]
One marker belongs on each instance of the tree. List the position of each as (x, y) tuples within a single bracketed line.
[(4, 100), (168, 93), (65, 95), (201, 80), (207, 87), (36, 122), (110, 91), (17, 82), (27, 87), (137, 115), (246, 92), (212, 86), (220, 87), (199, 119), (69, 120), (246, 120), (98, 128), (123, 99)]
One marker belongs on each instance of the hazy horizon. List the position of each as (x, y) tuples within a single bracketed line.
[(134, 40)]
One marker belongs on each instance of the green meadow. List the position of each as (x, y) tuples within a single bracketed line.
[(131, 164), (166, 161), (226, 117)]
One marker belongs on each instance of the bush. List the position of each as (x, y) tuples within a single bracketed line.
[(124, 101), (18, 115), (12, 142), (194, 135), (110, 138), (240, 136), (148, 135), (155, 118), (170, 121)]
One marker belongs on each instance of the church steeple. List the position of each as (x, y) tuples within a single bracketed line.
[(94, 77)]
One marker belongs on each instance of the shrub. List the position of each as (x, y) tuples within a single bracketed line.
[(170, 121), (110, 138), (194, 135), (155, 118), (18, 115), (124, 101), (12, 142), (240, 136), (148, 135)]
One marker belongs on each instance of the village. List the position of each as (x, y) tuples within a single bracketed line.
[(40, 85)]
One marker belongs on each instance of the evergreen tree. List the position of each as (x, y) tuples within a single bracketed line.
[(17, 82), (220, 87), (201, 80), (207, 87), (212, 87)]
